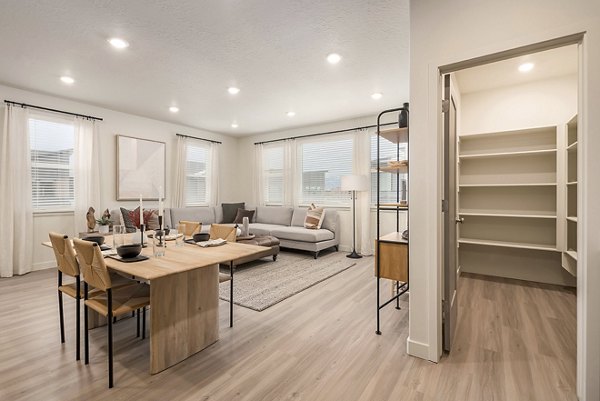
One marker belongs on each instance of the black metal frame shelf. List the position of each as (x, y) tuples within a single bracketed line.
[(400, 289)]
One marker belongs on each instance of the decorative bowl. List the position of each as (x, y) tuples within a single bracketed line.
[(129, 251), (199, 237), (98, 239)]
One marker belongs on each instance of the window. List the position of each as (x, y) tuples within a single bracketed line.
[(273, 174), (322, 165), (197, 174), (51, 143), (388, 181)]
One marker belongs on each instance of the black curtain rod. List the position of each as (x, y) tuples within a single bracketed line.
[(201, 139), (52, 110), (323, 133)]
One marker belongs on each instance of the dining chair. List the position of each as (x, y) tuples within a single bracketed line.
[(107, 301), (191, 227), (227, 233), (67, 264)]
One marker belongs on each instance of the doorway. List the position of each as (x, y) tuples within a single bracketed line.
[(511, 180)]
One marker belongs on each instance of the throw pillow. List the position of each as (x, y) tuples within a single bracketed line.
[(131, 219), (314, 217), (230, 211), (241, 213)]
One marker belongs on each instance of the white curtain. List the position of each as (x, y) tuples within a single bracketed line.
[(180, 160), (362, 166), (87, 171), (213, 198), (16, 212), (258, 187), (289, 172)]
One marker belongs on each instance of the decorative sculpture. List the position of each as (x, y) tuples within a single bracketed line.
[(91, 219)]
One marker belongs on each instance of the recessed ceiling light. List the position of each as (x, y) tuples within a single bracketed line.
[(376, 96), (67, 80), (526, 67), (234, 125), (118, 43), (291, 113), (174, 109), (233, 90), (334, 58)]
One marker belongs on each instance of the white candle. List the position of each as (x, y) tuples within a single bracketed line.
[(160, 201), (141, 211)]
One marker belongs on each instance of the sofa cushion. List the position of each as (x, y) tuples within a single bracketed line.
[(274, 215), (204, 215), (262, 229), (299, 216), (131, 219), (241, 213), (314, 217), (302, 234), (230, 210), (331, 221)]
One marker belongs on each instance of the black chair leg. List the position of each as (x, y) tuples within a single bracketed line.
[(231, 295), (85, 326), (143, 323), (138, 323), (78, 320), (110, 339), (61, 317)]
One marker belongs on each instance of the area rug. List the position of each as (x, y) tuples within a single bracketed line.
[(264, 283)]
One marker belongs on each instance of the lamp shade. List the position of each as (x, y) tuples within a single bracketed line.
[(355, 183)]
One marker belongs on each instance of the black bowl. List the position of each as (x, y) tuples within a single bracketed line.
[(129, 251), (199, 237), (98, 239)]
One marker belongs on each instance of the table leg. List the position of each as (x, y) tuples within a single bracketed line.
[(184, 310)]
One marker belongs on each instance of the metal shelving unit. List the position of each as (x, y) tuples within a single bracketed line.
[(391, 248)]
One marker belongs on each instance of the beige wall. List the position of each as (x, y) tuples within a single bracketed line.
[(117, 123), (446, 32)]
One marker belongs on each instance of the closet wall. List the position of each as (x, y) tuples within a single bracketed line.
[(528, 118)]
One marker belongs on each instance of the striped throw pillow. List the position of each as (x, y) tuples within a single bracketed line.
[(314, 217)]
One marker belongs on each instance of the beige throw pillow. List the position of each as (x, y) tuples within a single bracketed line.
[(314, 217)]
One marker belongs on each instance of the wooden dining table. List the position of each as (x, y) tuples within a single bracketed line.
[(184, 296)]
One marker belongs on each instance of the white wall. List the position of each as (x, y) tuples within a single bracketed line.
[(245, 176), (535, 104), (117, 123), (447, 32)]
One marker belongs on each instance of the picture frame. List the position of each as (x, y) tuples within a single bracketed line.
[(141, 168)]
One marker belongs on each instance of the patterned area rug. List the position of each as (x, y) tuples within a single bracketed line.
[(264, 283)]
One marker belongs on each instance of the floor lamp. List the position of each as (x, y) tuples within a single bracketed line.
[(354, 183)]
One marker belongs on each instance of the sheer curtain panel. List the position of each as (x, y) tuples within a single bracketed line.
[(258, 179), (87, 171), (213, 183), (16, 212), (362, 166), (180, 165)]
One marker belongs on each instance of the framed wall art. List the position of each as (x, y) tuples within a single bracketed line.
[(141, 166)]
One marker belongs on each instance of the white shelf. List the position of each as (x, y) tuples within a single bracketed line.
[(572, 254), (572, 147), (572, 183), (530, 184), (395, 237), (519, 132), (510, 154), (505, 244), (507, 214), (572, 218)]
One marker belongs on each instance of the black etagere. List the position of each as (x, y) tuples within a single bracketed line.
[(389, 241)]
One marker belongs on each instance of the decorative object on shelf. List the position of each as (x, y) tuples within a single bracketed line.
[(403, 117), (405, 235), (91, 219), (104, 222), (246, 226), (314, 217), (140, 168), (354, 183)]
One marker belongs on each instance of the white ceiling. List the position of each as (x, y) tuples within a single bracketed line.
[(188, 52), (548, 64)]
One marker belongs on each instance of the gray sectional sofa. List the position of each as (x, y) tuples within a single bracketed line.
[(285, 223)]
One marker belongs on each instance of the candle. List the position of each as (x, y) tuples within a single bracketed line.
[(160, 201), (141, 211)]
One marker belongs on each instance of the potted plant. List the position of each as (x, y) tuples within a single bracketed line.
[(103, 224)]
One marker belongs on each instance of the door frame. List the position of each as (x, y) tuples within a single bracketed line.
[(582, 266)]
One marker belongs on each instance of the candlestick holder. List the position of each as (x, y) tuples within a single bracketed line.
[(161, 232), (142, 235)]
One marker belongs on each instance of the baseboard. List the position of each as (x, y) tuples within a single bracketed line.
[(415, 348), (43, 265)]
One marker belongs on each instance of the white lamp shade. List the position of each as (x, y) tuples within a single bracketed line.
[(355, 183)]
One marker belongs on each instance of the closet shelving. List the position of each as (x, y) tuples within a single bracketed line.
[(391, 249), (569, 259)]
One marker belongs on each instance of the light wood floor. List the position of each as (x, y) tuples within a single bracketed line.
[(513, 342)]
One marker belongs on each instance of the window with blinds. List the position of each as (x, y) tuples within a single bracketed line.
[(52, 164), (322, 165), (388, 182), (273, 174), (197, 167)]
